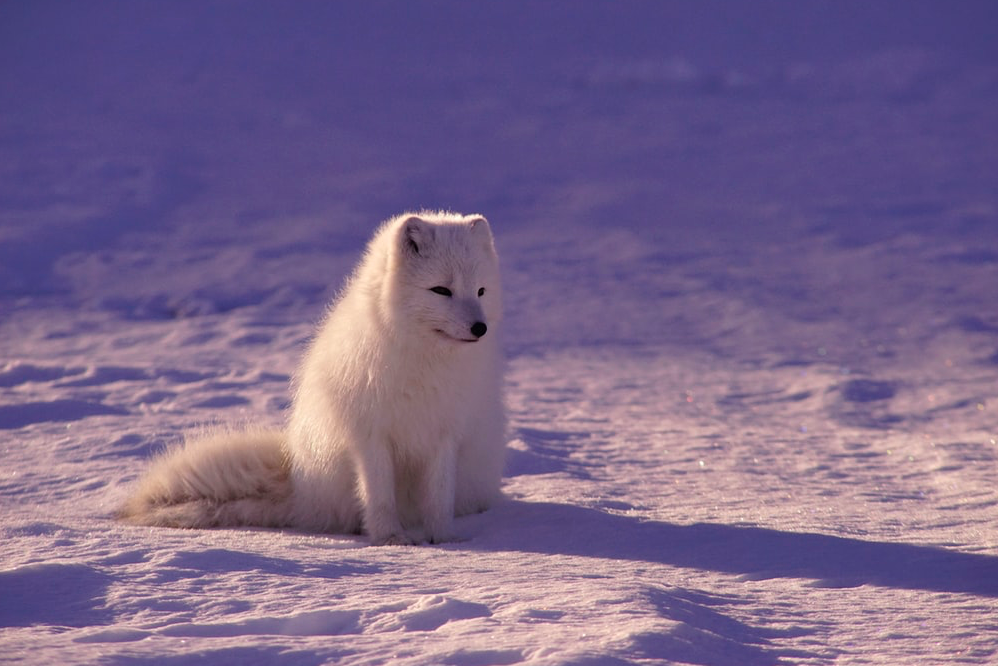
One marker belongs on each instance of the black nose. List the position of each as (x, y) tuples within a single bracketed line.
[(478, 329)]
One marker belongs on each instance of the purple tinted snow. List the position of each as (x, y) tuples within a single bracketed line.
[(15, 374), (753, 552), (19, 416), (70, 595)]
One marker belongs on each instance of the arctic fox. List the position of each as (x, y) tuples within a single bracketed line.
[(397, 420)]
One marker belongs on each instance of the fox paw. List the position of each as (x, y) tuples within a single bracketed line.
[(393, 539), (446, 537)]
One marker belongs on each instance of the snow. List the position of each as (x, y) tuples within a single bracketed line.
[(750, 255)]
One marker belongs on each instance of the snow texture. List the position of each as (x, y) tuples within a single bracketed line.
[(750, 253)]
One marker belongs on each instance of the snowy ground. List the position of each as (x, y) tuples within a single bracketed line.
[(750, 253)]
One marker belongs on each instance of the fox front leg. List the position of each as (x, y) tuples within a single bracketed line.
[(376, 484), (436, 495)]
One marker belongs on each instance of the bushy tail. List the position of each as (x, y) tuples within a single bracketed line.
[(224, 479)]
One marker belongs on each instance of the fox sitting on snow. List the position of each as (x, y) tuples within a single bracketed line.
[(397, 418)]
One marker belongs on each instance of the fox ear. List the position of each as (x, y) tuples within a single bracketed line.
[(416, 236), (480, 225), (480, 228)]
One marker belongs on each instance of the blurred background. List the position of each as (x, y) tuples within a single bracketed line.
[(168, 159)]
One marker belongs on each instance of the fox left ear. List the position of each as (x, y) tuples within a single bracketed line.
[(480, 227), (416, 236)]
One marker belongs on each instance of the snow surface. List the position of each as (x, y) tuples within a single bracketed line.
[(750, 253)]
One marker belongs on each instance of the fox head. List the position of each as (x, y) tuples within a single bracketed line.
[(445, 275)]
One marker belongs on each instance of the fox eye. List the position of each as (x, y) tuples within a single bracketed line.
[(481, 291), (443, 291)]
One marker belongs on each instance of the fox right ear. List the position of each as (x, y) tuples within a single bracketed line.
[(416, 236)]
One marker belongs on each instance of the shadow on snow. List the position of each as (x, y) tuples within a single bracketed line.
[(753, 552)]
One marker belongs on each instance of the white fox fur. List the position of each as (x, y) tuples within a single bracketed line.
[(397, 419)]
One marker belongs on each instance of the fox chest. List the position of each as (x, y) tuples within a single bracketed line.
[(418, 415)]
